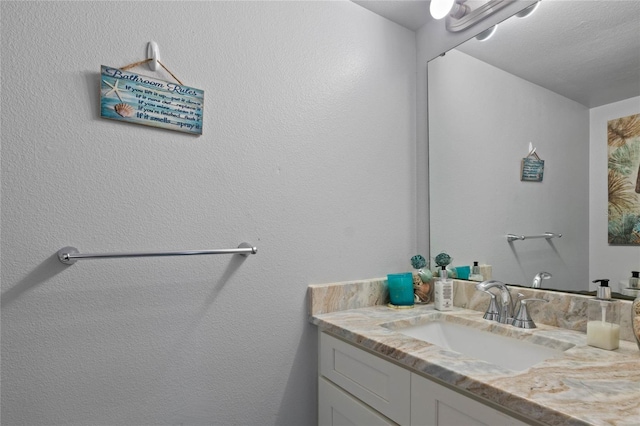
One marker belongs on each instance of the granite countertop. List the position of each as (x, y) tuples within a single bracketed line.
[(582, 386)]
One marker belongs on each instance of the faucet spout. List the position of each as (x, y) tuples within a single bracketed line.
[(506, 303), (537, 280)]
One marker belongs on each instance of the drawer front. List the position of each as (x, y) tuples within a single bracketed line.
[(338, 408), (378, 383)]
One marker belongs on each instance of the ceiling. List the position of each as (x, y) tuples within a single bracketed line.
[(585, 50), (411, 14)]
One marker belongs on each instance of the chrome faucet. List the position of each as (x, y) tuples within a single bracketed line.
[(522, 319), (537, 280), (505, 308)]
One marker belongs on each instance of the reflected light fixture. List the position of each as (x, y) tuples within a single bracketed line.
[(440, 8), (528, 11), (486, 34)]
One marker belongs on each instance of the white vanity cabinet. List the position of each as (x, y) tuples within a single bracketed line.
[(378, 383), (358, 388), (434, 404)]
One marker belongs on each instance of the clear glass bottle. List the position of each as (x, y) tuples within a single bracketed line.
[(634, 281), (475, 272), (635, 319)]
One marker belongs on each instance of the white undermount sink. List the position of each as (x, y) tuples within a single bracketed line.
[(503, 351)]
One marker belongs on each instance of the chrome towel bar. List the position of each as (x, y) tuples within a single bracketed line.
[(69, 255), (547, 235)]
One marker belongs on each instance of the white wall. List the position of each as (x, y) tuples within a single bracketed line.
[(308, 152), (605, 261), (481, 122)]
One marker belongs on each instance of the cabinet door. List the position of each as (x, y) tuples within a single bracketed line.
[(435, 405), (338, 408), (379, 383)]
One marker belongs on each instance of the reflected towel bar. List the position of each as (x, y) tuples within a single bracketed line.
[(69, 255), (547, 235)]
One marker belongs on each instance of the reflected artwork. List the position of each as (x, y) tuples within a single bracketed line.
[(623, 144)]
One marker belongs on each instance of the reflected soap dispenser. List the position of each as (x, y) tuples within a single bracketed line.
[(634, 281), (603, 325), (475, 272)]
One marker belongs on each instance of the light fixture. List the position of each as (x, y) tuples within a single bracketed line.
[(463, 17), (528, 10), (459, 9), (440, 8), (486, 34), (454, 8)]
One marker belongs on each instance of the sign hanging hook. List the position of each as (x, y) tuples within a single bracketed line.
[(153, 53)]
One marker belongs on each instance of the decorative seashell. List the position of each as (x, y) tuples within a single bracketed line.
[(124, 110), (416, 280), (423, 292)]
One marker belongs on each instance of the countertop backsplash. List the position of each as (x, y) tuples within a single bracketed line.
[(564, 310)]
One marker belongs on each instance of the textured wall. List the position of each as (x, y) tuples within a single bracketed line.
[(308, 152)]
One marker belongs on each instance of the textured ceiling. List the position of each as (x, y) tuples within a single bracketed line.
[(585, 50), (410, 14)]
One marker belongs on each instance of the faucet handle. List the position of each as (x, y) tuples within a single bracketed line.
[(522, 319), (492, 313)]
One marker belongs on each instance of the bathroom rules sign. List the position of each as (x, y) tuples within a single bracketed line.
[(135, 98)]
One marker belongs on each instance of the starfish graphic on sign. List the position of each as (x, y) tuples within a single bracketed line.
[(114, 89)]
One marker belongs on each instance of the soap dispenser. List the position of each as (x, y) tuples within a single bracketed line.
[(634, 281), (635, 319), (603, 325), (475, 272), (443, 292)]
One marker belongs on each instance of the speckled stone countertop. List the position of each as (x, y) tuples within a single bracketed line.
[(582, 386)]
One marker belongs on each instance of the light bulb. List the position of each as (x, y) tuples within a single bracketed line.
[(486, 34), (440, 8), (528, 11)]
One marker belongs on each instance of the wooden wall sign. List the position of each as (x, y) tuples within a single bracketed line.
[(532, 168), (134, 98)]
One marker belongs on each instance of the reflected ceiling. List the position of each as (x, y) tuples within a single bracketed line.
[(587, 28)]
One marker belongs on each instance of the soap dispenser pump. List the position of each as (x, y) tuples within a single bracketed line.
[(603, 325)]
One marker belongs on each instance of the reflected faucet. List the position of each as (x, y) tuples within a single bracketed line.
[(505, 309), (537, 280)]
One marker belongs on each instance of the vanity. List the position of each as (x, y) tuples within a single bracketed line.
[(373, 369)]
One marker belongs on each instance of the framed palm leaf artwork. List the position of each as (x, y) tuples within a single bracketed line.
[(623, 140)]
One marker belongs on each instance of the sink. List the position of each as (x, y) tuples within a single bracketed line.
[(503, 351)]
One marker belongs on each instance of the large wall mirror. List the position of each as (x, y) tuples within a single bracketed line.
[(540, 80)]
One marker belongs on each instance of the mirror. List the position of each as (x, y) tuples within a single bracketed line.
[(544, 80)]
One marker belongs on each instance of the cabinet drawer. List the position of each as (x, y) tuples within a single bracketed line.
[(338, 408), (378, 383)]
